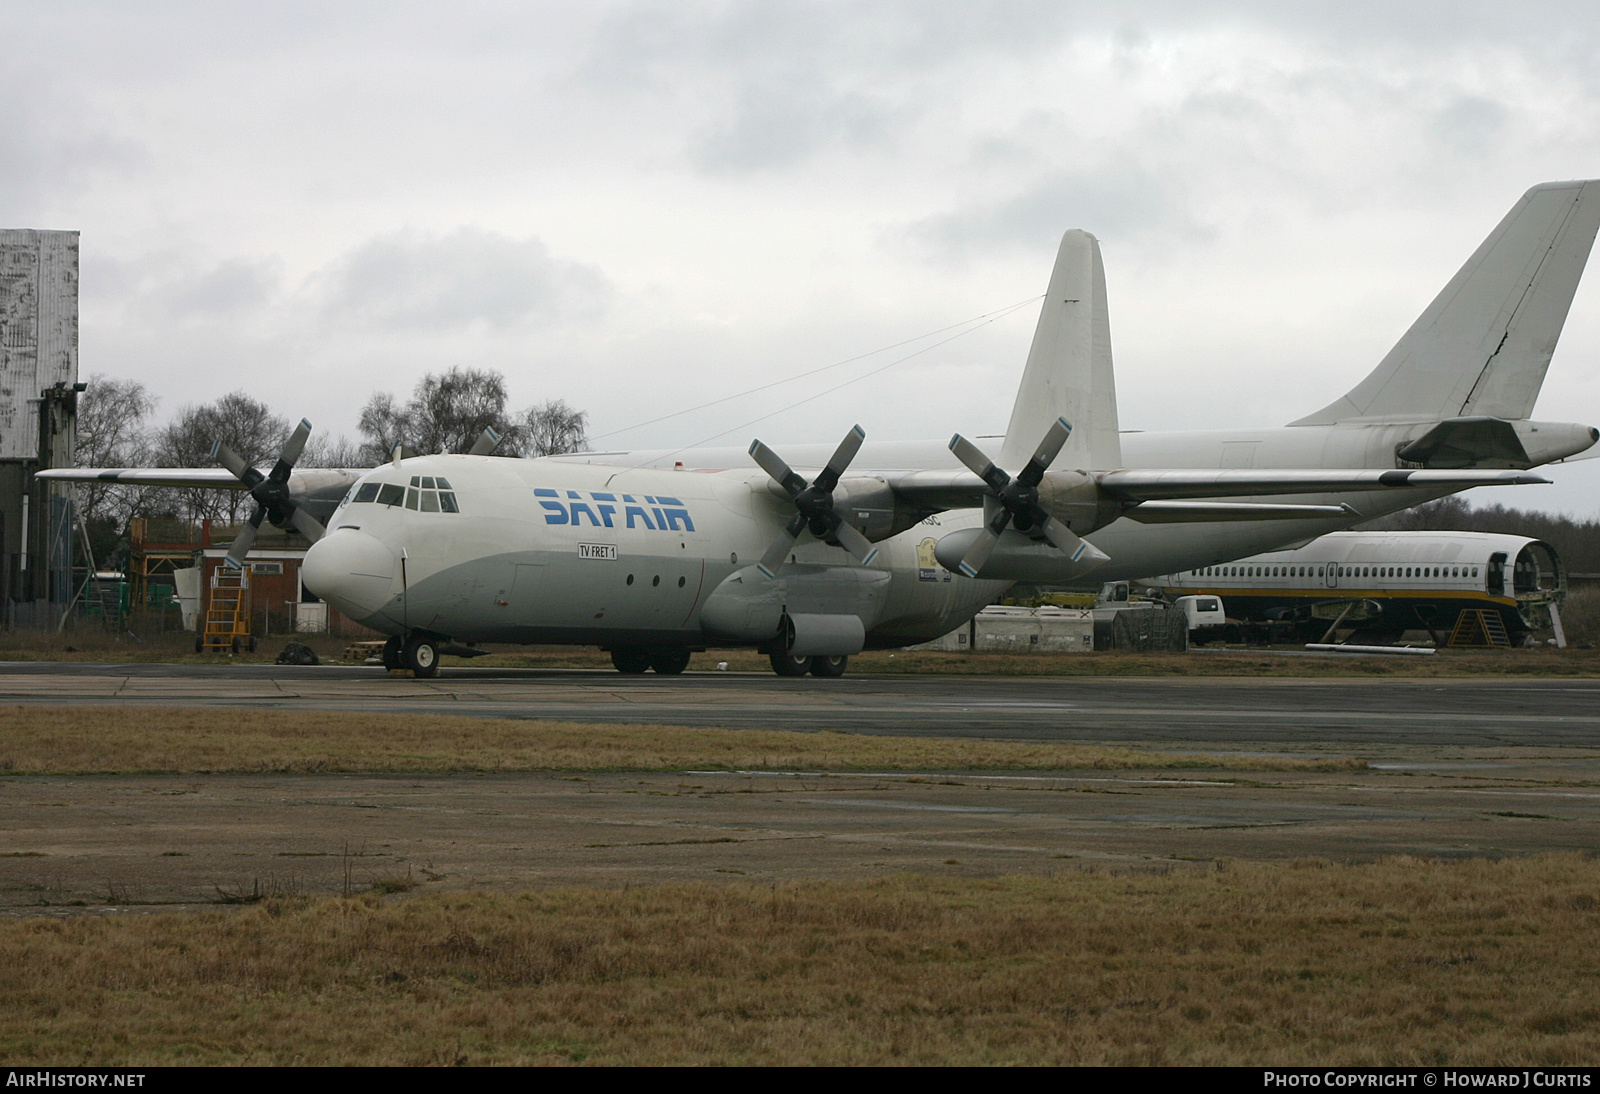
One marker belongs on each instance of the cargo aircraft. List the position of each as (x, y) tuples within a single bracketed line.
[(818, 552)]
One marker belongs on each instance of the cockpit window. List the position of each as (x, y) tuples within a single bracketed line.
[(434, 497)]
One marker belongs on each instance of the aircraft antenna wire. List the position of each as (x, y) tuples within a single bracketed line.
[(976, 322), (988, 317)]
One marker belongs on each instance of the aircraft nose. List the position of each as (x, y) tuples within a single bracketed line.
[(352, 571)]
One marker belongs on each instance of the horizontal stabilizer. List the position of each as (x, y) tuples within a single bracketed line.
[(1466, 442), (1150, 485)]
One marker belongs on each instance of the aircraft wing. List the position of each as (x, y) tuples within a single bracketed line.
[(317, 481), (208, 478), (938, 490)]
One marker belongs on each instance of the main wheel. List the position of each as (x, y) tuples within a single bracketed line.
[(199, 643), (669, 661), (828, 666), (787, 664), (631, 659), (392, 652), (421, 656)]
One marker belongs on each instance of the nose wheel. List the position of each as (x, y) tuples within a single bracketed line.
[(417, 652)]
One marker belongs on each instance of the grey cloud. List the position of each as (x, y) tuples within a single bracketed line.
[(782, 122), (1113, 203), (231, 289), (416, 280), (1470, 125)]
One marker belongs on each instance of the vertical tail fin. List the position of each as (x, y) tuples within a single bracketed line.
[(1483, 345), (1069, 372)]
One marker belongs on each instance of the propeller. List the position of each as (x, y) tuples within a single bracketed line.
[(813, 502), (271, 493), (1015, 501)]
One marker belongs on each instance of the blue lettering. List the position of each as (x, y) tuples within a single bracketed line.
[(603, 497), (674, 515), (541, 492), (629, 512), (667, 501), (557, 513), (605, 512)]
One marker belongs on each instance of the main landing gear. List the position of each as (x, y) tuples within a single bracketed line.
[(787, 664), (417, 652), (666, 660)]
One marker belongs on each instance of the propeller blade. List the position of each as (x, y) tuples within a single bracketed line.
[(979, 464), (774, 465), (778, 553), (829, 478), (308, 525), (979, 552), (234, 462), (1045, 455), (246, 537), (292, 448), (851, 539), (1068, 542), (486, 443)]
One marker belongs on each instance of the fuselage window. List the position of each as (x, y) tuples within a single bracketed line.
[(367, 491), (430, 501), (391, 494), (447, 502), (411, 498)]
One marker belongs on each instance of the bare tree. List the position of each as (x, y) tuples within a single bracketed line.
[(552, 428), (384, 424), (246, 425), (327, 451), (112, 433), (446, 413)]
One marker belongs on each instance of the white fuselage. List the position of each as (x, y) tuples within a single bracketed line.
[(542, 551)]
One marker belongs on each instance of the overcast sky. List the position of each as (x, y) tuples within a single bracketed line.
[(641, 207)]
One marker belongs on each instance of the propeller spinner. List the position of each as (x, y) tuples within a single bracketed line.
[(270, 492), (1016, 501), (813, 502)]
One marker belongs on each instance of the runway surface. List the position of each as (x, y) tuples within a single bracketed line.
[(1456, 767), (1190, 710)]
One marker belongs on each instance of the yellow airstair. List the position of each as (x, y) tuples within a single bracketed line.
[(1479, 627), (226, 628)]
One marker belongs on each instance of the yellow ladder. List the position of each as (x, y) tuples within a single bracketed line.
[(227, 622), (1479, 627)]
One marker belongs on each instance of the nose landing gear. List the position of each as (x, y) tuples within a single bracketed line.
[(417, 652)]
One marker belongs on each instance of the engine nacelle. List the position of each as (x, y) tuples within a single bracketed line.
[(749, 607), (1077, 501), (1016, 557)]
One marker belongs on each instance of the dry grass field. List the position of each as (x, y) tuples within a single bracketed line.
[(1398, 962), (79, 740)]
